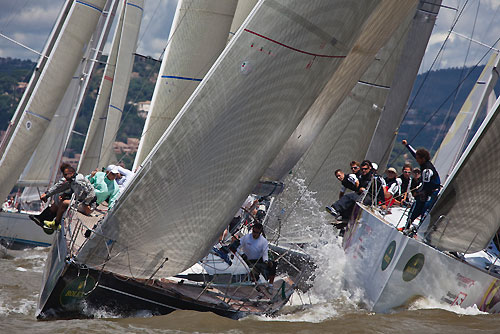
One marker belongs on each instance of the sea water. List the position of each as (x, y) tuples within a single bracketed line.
[(328, 307)]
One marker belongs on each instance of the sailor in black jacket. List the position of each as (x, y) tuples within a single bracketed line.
[(429, 188)]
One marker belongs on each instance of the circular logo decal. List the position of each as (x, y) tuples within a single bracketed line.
[(28, 125), (245, 67), (413, 267), (389, 253), (77, 290)]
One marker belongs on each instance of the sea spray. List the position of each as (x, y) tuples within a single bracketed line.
[(300, 218)]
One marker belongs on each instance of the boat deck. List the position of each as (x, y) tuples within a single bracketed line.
[(78, 224)]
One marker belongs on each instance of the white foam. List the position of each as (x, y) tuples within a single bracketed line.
[(21, 269), (327, 298), (428, 303)]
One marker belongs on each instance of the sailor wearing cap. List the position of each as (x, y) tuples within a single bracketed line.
[(105, 185)]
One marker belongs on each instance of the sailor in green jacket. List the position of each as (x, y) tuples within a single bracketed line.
[(106, 188)]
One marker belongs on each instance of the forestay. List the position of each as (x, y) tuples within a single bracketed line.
[(466, 216), (49, 90), (226, 135), (345, 137), (198, 35)]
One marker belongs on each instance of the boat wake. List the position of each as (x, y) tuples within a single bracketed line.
[(426, 304)]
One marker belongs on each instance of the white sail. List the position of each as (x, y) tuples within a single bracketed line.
[(396, 104), (197, 37), (91, 153), (128, 42), (227, 134), (243, 8), (455, 140), (63, 61), (43, 166), (36, 75), (466, 215)]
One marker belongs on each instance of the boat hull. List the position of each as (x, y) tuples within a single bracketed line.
[(394, 269), (73, 291), (17, 231)]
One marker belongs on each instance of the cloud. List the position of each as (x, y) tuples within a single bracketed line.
[(478, 20), (30, 22)]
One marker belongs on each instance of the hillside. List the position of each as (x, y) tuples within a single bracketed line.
[(431, 113)]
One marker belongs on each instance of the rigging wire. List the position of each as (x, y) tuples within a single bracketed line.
[(452, 93), (447, 119)]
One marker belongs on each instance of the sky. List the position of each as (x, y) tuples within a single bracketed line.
[(30, 22)]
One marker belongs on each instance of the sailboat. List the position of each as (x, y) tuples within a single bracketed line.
[(452, 259), (42, 124), (209, 159)]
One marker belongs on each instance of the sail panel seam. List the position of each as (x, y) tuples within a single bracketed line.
[(373, 84), (181, 78), (291, 47), (89, 5), (112, 106), (37, 115), (134, 5)]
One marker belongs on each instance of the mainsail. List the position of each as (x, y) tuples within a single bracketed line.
[(466, 216), (228, 132), (94, 147), (455, 140), (66, 54), (197, 37)]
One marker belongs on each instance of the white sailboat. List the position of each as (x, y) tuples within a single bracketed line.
[(451, 259), (54, 131), (211, 156)]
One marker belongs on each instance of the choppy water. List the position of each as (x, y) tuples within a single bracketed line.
[(333, 310)]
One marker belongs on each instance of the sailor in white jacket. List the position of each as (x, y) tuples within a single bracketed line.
[(255, 248)]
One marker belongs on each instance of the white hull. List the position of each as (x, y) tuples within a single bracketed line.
[(414, 269), (17, 231)]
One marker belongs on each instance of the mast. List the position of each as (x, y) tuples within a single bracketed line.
[(66, 54), (198, 35)]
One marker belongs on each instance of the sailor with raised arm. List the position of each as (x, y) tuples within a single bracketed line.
[(429, 188)]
